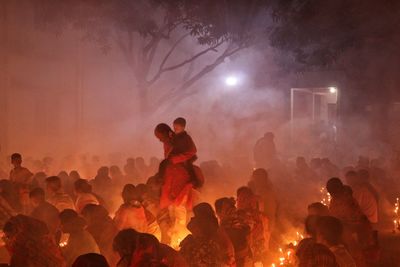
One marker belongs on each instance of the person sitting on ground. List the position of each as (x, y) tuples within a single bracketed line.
[(149, 252), (84, 195), (200, 247), (311, 231), (102, 228), (30, 244), (124, 243), (204, 212), (329, 233), (80, 241), (364, 193), (236, 229), (358, 233), (90, 260), (131, 213), (56, 195), (247, 205), (43, 210), (19, 175)]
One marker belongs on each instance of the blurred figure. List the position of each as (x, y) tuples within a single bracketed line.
[(80, 241), (303, 172), (265, 151), (318, 209), (358, 234), (131, 213), (116, 175), (90, 260), (329, 233), (236, 229), (364, 194), (248, 210), (44, 211), (141, 168), (102, 228), (262, 186), (317, 255), (19, 175), (84, 195), (149, 252), (200, 248), (311, 231), (131, 173), (124, 244), (102, 182), (56, 195), (29, 243)]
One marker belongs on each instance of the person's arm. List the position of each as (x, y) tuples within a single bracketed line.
[(186, 150)]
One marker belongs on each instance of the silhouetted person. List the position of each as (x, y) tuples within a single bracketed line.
[(124, 244), (19, 175), (56, 195), (364, 194), (102, 228), (84, 195), (43, 210), (265, 151), (80, 241), (329, 233)]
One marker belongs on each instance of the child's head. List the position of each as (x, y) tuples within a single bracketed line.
[(179, 125)]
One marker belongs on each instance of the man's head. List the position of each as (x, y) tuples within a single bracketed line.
[(53, 184), (335, 186), (16, 159), (179, 125), (329, 231), (37, 196)]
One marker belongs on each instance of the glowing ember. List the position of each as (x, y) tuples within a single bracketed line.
[(326, 197)]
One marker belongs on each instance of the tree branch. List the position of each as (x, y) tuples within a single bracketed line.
[(183, 63), (182, 92)]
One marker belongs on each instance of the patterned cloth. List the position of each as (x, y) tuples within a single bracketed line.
[(239, 234), (317, 255), (253, 218), (201, 252), (30, 245)]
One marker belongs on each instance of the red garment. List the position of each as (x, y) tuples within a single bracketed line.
[(176, 188)]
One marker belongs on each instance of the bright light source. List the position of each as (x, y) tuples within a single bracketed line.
[(231, 81), (332, 90)]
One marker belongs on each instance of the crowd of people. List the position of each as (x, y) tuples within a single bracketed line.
[(156, 214)]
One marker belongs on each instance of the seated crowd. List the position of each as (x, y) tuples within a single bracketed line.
[(113, 220)]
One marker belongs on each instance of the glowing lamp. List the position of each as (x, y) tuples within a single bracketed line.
[(332, 90), (231, 81)]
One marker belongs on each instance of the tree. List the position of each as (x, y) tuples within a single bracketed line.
[(151, 33)]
